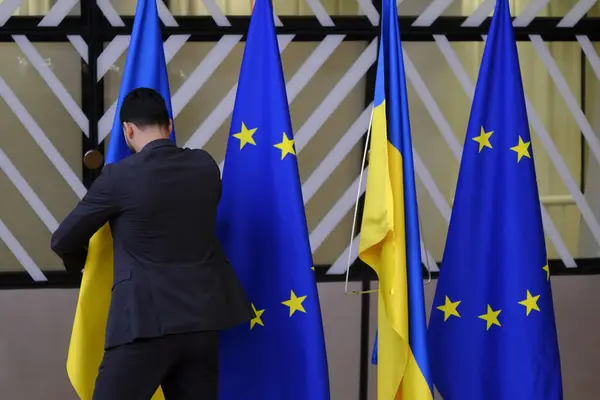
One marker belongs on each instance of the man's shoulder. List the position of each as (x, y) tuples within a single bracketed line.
[(197, 156), (201, 157), (200, 153), (116, 169)]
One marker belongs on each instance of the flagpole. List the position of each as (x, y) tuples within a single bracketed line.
[(354, 220), (360, 179)]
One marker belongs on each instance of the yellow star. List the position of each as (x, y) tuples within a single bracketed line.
[(286, 146), (483, 139), (491, 317), (547, 269), (530, 302), (449, 309), (522, 149), (257, 315), (295, 303), (245, 136)]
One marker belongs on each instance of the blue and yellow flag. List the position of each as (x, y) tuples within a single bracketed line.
[(280, 353), (145, 67), (492, 332), (389, 236)]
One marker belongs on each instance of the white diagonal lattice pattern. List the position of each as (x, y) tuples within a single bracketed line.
[(7, 8), (576, 13), (53, 82), (313, 116), (171, 46)]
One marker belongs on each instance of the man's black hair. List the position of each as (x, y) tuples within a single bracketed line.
[(144, 107)]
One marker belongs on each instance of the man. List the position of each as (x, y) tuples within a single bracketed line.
[(173, 286)]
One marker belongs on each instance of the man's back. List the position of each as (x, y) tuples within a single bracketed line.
[(173, 287), (168, 200), (170, 273), (168, 261)]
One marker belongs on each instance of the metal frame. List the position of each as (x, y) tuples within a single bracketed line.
[(306, 28)]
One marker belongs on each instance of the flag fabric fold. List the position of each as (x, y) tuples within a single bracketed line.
[(280, 353), (374, 352), (492, 330), (390, 241), (145, 67)]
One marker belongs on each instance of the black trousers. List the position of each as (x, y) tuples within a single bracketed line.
[(185, 365)]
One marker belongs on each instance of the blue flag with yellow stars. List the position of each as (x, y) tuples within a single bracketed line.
[(280, 353), (492, 331)]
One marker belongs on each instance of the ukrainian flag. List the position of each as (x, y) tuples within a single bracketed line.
[(389, 239), (145, 67)]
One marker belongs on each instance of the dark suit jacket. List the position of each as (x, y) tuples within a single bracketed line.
[(170, 272)]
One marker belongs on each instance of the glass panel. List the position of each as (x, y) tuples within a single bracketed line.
[(282, 7), (594, 11), (244, 7), (40, 7), (28, 157), (589, 247), (223, 79), (124, 7), (555, 8), (447, 92)]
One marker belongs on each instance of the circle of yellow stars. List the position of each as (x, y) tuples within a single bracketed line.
[(491, 317), (246, 137), (522, 148), (286, 146), (294, 303)]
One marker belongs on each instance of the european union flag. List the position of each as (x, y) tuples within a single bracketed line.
[(492, 331), (280, 354)]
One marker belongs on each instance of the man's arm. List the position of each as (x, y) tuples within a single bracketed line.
[(71, 239)]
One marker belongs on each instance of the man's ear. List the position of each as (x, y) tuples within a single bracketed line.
[(170, 126), (128, 129)]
